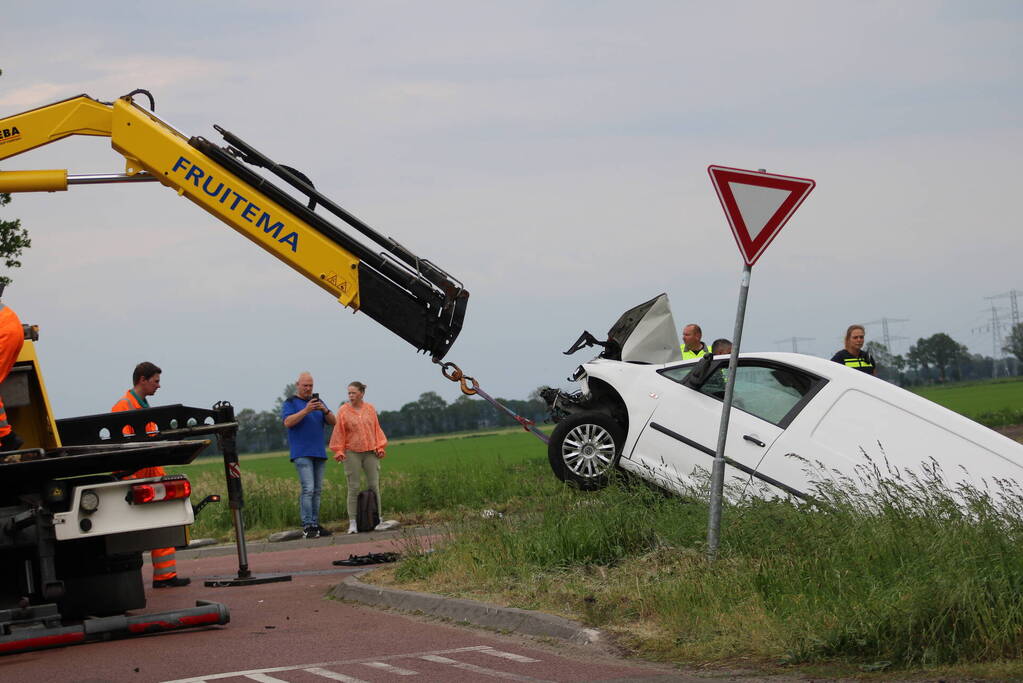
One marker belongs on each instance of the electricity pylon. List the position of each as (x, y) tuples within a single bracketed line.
[(795, 342), (886, 335)]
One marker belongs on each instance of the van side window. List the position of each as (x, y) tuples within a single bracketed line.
[(678, 373), (769, 392)]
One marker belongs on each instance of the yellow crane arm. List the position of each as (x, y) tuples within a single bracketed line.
[(410, 296)]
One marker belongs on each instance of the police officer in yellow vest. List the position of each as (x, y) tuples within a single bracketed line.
[(692, 344), (853, 356)]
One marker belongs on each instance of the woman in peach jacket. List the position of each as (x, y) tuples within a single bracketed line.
[(358, 442)]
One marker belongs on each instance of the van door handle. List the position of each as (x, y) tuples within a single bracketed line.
[(753, 439)]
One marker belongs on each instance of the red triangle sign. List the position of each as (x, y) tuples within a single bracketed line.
[(757, 205)]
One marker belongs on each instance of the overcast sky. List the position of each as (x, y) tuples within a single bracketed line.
[(551, 155)]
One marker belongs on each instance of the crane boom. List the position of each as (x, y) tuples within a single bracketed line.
[(410, 296)]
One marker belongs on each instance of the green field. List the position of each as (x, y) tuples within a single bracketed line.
[(420, 480), (408, 455), (993, 403)]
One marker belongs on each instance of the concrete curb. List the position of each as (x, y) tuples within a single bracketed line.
[(507, 619)]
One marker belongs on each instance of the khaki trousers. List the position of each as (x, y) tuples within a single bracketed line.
[(356, 463)]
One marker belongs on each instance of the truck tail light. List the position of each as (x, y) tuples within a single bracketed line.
[(165, 489)]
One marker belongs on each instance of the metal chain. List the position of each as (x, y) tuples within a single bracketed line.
[(470, 387)]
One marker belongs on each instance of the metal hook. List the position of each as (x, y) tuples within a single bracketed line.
[(469, 390)]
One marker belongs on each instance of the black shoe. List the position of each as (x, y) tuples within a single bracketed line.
[(324, 532), (311, 532), (11, 442), (176, 582)]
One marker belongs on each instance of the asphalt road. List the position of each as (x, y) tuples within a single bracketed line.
[(292, 631)]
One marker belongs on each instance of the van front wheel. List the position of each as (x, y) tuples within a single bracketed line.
[(584, 449)]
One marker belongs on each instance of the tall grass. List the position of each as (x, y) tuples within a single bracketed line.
[(910, 573), (434, 494), (999, 418)]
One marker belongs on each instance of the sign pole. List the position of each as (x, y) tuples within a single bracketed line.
[(717, 477), (757, 205)]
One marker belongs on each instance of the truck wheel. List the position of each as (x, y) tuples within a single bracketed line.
[(584, 448)]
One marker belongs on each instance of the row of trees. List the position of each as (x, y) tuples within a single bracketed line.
[(939, 358), (431, 414), (261, 432)]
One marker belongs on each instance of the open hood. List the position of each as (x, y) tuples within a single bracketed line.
[(647, 333), (643, 334)]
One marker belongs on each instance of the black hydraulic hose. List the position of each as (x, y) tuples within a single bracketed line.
[(140, 91), (301, 183), (420, 287), (297, 173)]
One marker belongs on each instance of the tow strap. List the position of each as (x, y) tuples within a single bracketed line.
[(470, 387)]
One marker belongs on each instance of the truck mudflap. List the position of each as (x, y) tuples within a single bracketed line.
[(38, 627)]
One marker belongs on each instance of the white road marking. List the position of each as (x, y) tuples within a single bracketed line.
[(333, 675), (509, 655), (397, 671), (263, 678), (250, 672), (477, 669)]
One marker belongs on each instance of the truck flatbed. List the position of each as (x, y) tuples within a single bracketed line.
[(34, 467)]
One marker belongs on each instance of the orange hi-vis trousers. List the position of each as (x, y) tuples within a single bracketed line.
[(12, 338), (165, 566)]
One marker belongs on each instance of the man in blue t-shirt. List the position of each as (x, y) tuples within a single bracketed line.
[(305, 416)]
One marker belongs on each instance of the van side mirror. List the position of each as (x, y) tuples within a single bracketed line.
[(699, 374)]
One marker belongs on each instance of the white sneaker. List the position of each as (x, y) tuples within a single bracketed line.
[(352, 528)]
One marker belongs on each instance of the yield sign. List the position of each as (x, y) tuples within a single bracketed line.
[(757, 205)]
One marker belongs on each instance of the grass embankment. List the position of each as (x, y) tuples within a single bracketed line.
[(907, 579), (995, 403)]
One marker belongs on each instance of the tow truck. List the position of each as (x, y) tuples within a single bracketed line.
[(71, 530)]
